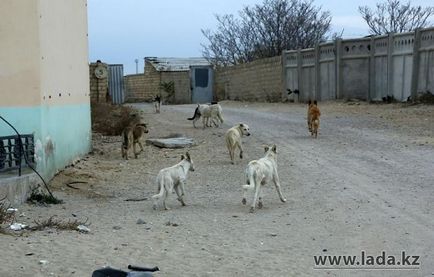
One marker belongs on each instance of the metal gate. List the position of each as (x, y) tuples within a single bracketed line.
[(116, 83), (201, 84)]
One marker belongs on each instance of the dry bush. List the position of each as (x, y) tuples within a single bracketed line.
[(110, 120), (58, 224)]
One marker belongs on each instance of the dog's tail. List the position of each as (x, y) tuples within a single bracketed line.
[(161, 188), (251, 179), (196, 114)]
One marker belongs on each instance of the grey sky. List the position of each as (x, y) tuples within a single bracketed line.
[(122, 31)]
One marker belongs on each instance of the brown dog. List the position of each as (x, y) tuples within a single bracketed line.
[(132, 135), (309, 117), (313, 118)]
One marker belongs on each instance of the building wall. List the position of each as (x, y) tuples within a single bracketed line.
[(44, 78), (135, 89), (181, 80), (260, 80), (98, 87), (144, 87)]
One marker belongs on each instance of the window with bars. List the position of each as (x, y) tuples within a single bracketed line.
[(14, 151)]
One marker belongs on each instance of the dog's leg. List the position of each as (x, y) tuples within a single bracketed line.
[(278, 188), (260, 204), (134, 149), (164, 200), (255, 198), (141, 146), (232, 154), (178, 193), (244, 201), (241, 150)]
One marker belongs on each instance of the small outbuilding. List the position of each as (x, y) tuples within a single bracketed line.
[(177, 80)]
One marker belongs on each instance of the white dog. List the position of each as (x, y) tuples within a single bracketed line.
[(212, 114), (260, 172), (173, 178), (233, 139)]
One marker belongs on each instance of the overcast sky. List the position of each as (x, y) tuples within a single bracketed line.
[(122, 31)]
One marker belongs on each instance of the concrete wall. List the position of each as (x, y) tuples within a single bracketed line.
[(181, 80), (135, 89), (144, 87), (44, 78), (398, 65), (260, 80)]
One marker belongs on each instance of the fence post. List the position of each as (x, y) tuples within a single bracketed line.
[(371, 90), (299, 79), (338, 76), (389, 64), (317, 74), (415, 68)]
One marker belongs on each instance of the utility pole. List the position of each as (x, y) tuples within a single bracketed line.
[(137, 66)]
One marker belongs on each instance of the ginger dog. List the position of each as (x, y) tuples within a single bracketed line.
[(314, 114)]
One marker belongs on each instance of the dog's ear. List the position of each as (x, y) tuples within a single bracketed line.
[(188, 156), (266, 148), (309, 102), (182, 157), (315, 103), (274, 148)]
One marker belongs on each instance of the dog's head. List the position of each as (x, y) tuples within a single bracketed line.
[(272, 149), (188, 159), (244, 128), (144, 127)]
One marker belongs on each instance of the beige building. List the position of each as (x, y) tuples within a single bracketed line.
[(44, 78)]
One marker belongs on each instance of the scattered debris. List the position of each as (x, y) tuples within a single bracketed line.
[(75, 182), (83, 229), (168, 223), (137, 199), (140, 221), (38, 197), (17, 226), (58, 224)]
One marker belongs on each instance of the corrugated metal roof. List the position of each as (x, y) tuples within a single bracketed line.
[(176, 64)]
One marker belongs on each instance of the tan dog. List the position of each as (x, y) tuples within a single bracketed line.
[(233, 139), (314, 114), (131, 136), (309, 116), (173, 178), (260, 172)]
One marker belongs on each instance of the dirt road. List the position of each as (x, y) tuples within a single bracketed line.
[(366, 184)]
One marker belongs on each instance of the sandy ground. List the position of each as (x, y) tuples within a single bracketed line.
[(367, 183)]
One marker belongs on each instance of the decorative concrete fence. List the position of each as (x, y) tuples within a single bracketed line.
[(399, 65)]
